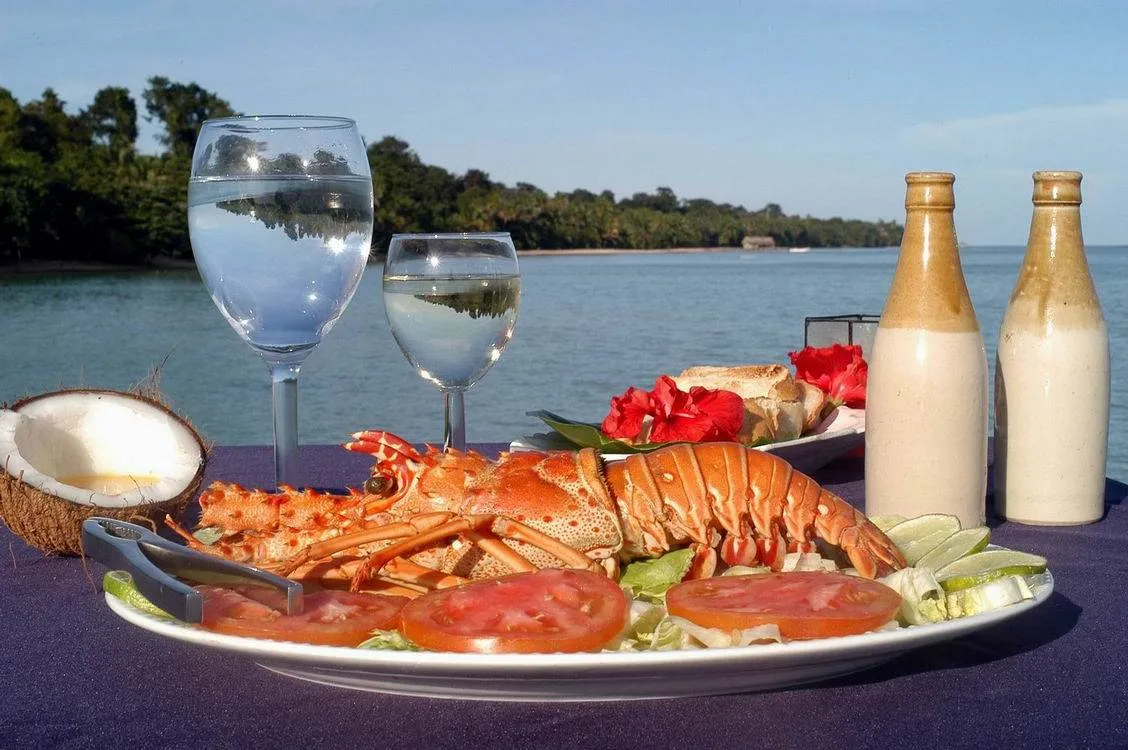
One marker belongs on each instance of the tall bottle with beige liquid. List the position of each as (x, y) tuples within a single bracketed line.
[(1052, 372), (926, 399)]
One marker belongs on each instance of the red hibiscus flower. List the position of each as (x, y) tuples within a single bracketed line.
[(838, 370), (668, 415)]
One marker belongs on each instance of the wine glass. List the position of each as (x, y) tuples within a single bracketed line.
[(280, 219), (451, 302)]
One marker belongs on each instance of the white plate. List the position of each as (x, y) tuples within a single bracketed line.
[(806, 454), (583, 677)]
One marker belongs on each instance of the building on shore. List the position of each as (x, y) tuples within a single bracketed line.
[(757, 243)]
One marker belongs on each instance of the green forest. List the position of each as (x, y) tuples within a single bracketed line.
[(75, 188)]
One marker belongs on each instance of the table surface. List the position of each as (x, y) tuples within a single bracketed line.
[(76, 675)]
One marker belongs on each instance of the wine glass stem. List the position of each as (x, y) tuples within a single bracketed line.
[(284, 390), (454, 420)]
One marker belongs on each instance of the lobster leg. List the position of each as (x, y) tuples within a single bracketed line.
[(486, 531), (415, 525)]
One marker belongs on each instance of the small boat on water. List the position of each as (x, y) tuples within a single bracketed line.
[(798, 249)]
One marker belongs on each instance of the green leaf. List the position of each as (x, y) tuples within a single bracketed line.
[(389, 640), (587, 435), (649, 579)]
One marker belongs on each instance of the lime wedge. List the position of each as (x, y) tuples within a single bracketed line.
[(886, 522), (922, 526), (918, 536), (120, 584), (961, 544), (988, 565)]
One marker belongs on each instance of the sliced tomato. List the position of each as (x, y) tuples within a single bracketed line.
[(328, 618), (545, 611), (803, 604)]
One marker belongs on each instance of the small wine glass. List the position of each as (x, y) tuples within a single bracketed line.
[(451, 302), (280, 219)]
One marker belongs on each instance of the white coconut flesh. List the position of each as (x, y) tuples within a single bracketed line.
[(100, 449)]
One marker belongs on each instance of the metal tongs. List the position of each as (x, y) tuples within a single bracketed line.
[(153, 561)]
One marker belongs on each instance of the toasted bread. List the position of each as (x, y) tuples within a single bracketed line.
[(747, 381), (813, 399), (777, 407)]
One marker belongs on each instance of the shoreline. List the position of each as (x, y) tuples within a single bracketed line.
[(31, 268)]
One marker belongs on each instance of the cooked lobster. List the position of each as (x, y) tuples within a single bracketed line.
[(432, 519)]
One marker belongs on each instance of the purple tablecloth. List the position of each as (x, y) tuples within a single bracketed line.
[(73, 674)]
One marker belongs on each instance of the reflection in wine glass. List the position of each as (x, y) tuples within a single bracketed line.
[(451, 302), (280, 217)]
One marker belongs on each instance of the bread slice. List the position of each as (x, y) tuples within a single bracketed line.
[(813, 399), (777, 407), (747, 381)]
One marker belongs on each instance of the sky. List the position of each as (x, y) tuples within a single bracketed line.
[(820, 106)]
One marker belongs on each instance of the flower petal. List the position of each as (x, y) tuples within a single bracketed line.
[(624, 421)]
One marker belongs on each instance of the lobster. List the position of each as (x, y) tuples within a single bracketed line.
[(436, 518)]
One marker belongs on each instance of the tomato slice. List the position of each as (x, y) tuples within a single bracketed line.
[(552, 610), (329, 618), (803, 604)]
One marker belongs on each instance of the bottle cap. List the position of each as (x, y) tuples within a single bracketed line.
[(930, 190), (1061, 188)]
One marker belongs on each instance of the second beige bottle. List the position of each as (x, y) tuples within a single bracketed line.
[(1052, 372), (926, 399)]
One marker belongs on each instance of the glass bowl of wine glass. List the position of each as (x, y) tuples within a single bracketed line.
[(451, 302)]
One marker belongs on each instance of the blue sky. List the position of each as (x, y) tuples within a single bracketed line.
[(818, 105)]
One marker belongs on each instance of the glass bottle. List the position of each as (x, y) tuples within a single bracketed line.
[(926, 400), (1052, 372)]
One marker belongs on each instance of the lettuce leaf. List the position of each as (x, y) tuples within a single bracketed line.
[(922, 599), (648, 580), (588, 435), (389, 640)]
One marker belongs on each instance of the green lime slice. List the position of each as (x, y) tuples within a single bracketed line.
[(988, 565), (918, 536), (120, 584), (961, 544), (886, 522)]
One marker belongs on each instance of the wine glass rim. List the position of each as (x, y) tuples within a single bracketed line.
[(450, 235), (287, 121)]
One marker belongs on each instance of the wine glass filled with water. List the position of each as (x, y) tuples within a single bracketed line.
[(451, 301), (280, 217)]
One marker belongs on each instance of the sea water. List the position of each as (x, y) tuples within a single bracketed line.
[(589, 327)]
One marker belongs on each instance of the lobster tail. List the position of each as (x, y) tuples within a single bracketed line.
[(751, 505)]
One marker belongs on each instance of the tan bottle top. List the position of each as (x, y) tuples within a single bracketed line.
[(1055, 286), (928, 290)]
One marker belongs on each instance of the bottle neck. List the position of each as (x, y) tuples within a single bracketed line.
[(1055, 235), (929, 290), (1055, 280)]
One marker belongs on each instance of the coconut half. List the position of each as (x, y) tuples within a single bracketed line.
[(70, 455)]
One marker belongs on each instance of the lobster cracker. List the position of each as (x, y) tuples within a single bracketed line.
[(433, 519)]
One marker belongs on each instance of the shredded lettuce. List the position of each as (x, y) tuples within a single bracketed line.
[(922, 599), (649, 629), (648, 580), (718, 638), (804, 561), (985, 597)]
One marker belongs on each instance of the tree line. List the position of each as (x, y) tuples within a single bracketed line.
[(75, 187)]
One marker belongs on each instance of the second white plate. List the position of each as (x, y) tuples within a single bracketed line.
[(806, 454)]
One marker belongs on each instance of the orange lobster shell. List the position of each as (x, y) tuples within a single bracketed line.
[(437, 518)]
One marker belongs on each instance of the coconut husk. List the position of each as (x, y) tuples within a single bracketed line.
[(54, 525)]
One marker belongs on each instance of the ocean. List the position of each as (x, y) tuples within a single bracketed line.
[(589, 326)]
